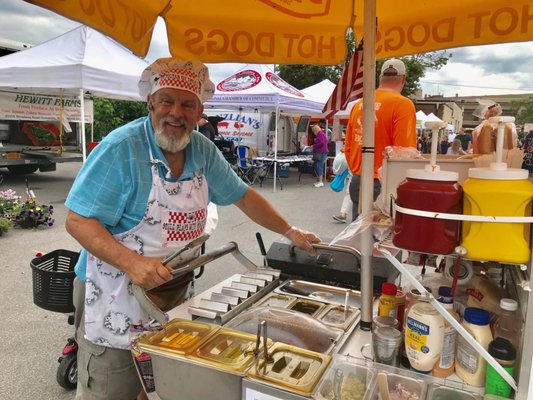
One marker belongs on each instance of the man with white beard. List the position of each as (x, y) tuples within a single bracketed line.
[(141, 195)]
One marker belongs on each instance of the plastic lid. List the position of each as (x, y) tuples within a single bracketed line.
[(389, 289), (513, 174), (476, 316), (432, 175), (445, 295), (502, 349), (508, 304)]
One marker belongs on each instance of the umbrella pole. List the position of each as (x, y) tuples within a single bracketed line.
[(276, 148), (82, 118), (367, 172)]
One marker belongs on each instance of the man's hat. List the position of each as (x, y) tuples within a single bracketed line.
[(393, 67), (192, 76)]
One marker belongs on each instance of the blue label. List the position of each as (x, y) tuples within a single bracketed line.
[(417, 326)]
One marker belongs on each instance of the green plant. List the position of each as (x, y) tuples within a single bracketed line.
[(32, 215), (9, 202), (5, 225)]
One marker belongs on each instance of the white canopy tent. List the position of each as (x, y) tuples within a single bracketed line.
[(257, 87), (321, 90), (81, 61)]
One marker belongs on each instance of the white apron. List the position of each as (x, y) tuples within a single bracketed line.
[(175, 214)]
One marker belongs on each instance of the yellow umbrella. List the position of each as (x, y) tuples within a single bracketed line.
[(310, 32), (300, 32)]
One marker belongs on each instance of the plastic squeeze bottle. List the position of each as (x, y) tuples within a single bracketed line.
[(445, 365), (469, 365), (424, 334), (509, 324), (505, 354), (387, 300)]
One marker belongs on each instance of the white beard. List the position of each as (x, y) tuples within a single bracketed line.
[(172, 144)]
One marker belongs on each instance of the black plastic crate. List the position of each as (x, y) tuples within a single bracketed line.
[(53, 276)]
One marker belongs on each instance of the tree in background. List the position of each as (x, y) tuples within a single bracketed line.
[(110, 114), (302, 76), (523, 110)]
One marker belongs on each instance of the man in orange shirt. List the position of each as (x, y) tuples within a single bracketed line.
[(395, 126)]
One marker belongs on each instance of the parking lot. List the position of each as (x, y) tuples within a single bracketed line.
[(31, 338)]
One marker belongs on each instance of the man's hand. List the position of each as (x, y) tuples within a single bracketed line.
[(148, 272), (302, 239)]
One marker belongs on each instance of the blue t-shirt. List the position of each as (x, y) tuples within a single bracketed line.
[(114, 183)]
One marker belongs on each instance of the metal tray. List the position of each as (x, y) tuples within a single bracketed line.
[(323, 293)]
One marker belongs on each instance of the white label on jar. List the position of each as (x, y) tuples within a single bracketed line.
[(447, 357), (467, 356)]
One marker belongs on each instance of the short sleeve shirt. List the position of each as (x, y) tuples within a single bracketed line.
[(114, 183)]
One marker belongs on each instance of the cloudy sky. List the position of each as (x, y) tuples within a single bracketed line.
[(481, 70)]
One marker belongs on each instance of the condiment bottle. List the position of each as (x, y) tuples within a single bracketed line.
[(387, 300), (400, 307), (509, 325), (445, 366), (469, 365), (505, 354), (412, 297), (424, 335)]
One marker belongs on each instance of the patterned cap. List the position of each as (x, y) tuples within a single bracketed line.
[(192, 76)]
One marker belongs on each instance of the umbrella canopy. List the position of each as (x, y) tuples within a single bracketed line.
[(300, 32)]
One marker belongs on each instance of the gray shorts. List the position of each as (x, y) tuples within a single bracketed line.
[(105, 373)]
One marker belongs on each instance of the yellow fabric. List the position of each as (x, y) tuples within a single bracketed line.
[(300, 32)]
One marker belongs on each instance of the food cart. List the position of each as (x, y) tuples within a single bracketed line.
[(291, 330)]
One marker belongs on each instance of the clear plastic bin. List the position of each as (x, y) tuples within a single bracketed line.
[(347, 375)]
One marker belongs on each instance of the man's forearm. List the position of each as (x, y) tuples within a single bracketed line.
[(259, 210)]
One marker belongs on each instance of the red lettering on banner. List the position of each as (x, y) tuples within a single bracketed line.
[(266, 39), (501, 16), (443, 31), (478, 17), (243, 43), (291, 37), (307, 42), (245, 38), (211, 45), (133, 22), (425, 31), (526, 18), (323, 47), (390, 40), (194, 37)]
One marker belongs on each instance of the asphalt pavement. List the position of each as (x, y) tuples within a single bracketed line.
[(31, 338)]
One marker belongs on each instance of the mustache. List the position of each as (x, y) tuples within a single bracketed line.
[(171, 120)]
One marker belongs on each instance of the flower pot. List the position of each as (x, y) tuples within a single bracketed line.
[(27, 224)]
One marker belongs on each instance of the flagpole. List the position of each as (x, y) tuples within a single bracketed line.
[(367, 171)]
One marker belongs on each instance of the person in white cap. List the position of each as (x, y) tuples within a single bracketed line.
[(395, 119), (141, 195)]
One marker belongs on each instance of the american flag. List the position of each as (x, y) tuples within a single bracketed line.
[(349, 87)]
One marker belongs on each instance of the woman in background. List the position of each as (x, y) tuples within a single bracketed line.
[(320, 154), (456, 148)]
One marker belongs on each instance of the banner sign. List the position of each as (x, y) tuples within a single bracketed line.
[(241, 128), (36, 107)]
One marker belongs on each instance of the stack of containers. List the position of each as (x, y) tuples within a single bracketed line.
[(433, 190), (497, 191)]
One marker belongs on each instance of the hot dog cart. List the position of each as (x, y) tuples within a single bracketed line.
[(291, 330)]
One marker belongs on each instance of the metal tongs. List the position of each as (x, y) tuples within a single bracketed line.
[(171, 261), (181, 267)]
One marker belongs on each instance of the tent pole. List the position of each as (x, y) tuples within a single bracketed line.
[(276, 148), (82, 118), (367, 172)]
